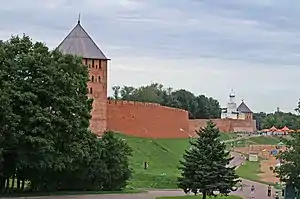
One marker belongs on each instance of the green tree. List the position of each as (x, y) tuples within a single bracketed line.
[(45, 96), (44, 121), (289, 171), (115, 153), (116, 90), (278, 119), (259, 117), (205, 165), (199, 107)]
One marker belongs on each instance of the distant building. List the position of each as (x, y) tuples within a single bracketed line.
[(242, 112)]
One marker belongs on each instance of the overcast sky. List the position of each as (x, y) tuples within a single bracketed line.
[(208, 47)]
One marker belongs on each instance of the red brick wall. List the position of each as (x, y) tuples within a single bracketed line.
[(225, 125), (147, 119), (97, 87)]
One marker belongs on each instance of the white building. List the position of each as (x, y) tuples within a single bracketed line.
[(233, 112)]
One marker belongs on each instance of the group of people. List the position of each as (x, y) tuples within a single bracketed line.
[(269, 191)]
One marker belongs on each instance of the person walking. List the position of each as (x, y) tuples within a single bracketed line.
[(269, 191), (276, 195), (252, 190), (241, 185)]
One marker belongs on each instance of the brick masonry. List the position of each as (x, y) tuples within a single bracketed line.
[(97, 89), (143, 119), (147, 119)]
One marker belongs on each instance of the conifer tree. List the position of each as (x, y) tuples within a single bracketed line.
[(204, 167)]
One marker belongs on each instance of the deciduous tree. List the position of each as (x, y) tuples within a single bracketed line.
[(199, 107), (44, 121)]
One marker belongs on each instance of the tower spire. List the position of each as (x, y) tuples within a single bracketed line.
[(79, 18)]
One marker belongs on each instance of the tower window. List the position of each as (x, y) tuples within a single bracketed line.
[(100, 65), (96, 66), (93, 63), (93, 78), (91, 90), (99, 79), (89, 65)]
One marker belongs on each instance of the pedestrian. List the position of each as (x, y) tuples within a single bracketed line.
[(241, 185), (252, 190), (269, 191), (276, 195), (145, 165)]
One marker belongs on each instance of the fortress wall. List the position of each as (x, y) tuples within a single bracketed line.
[(225, 125), (146, 119), (247, 125), (222, 124)]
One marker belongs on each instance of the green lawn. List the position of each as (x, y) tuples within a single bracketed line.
[(249, 171), (228, 136), (59, 193), (261, 140), (264, 140), (163, 156), (199, 197)]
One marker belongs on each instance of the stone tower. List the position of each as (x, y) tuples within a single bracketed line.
[(79, 43), (243, 108)]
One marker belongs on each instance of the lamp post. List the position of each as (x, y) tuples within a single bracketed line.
[(190, 136), (182, 130)]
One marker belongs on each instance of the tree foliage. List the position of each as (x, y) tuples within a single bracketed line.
[(199, 107), (44, 120), (205, 165), (289, 170), (278, 119)]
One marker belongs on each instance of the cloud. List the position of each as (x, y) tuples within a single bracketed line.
[(205, 46)]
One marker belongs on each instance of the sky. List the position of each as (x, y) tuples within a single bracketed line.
[(206, 46)]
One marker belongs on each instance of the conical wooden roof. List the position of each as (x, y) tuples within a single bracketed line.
[(243, 108), (78, 42)]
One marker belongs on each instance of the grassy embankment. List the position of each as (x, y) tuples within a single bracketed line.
[(163, 156)]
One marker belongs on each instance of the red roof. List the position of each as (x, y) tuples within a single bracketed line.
[(273, 128), (284, 129)]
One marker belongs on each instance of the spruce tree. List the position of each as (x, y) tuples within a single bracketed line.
[(204, 167)]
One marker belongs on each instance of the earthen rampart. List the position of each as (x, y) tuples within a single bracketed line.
[(147, 119)]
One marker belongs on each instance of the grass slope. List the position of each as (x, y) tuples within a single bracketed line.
[(193, 197), (249, 171), (264, 140), (163, 156)]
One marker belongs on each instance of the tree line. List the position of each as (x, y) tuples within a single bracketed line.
[(45, 144), (278, 119), (199, 107)]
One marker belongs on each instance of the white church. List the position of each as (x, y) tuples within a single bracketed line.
[(232, 111)]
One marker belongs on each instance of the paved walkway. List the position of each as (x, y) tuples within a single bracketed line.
[(260, 192), (244, 137)]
